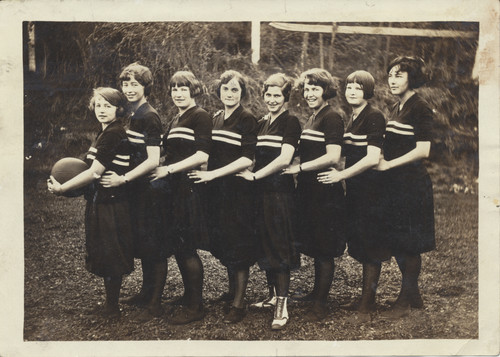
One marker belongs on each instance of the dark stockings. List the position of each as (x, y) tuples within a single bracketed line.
[(410, 266), (279, 280), (112, 285), (240, 281), (191, 270), (271, 281), (371, 275), (158, 278), (323, 277)]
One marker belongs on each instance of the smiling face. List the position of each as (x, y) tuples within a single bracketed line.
[(398, 81), (313, 95), (230, 93), (354, 94), (133, 90), (182, 97), (274, 99), (104, 111)]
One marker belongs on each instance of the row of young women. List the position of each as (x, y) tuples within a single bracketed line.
[(250, 209)]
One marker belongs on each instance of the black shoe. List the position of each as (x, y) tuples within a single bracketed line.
[(236, 314), (416, 302), (302, 296), (184, 315), (354, 306), (316, 313)]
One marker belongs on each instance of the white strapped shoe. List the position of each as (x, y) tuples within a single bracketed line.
[(280, 314), (269, 302)]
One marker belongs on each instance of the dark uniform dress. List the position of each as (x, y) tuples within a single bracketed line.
[(231, 198), (145, 196), (108, 233), (187, 223), (409, 216), (275, 205), (365, 239), (320, 207)]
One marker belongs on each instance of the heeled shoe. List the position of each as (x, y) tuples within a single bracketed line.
[(280, 314), (236, 314), (184, 316), (317, 312)]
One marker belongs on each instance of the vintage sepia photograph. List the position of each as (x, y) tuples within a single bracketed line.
[(241, 182)]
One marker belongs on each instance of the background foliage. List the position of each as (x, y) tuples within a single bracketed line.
[(72, 58)]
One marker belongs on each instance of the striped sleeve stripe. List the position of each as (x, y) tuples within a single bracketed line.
[(356, 140), (91, 156), (134, 140), (313, 135), (181, 129), (134, 133), (119, 162), (180, 136), (400, 132), (399, 125), (123, 157), (275, 138), (226, 133), (355, 137), (269, 143), (355, 143), (92, 149), (226, 140)]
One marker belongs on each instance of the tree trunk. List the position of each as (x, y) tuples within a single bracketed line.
[(303, 57), (331, 57), (321, 54)]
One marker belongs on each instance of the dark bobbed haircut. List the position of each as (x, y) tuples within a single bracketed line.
[(318, 77), (227, 76), (141, 74), (280, 80), (113, 97), (414, 66), (365, 80), (186, 79)]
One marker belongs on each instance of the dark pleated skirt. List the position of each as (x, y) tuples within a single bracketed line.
[(231, 213), (109, 240), (186, 222), (276, 231), (148, 219), (321, 219), (367, 241), (409, 210)]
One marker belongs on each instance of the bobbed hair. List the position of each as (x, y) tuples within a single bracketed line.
[(318, 77), (140, 73), (280, 80), (414, 66), (227, 76), (186, 79), (113, 97), (365, 80)]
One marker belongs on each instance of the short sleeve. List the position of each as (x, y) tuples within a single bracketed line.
[(203, 131), (375, 129), (333, 126), (292, 131), (107, 146), (248, 135), (422, 121), (152, 129)]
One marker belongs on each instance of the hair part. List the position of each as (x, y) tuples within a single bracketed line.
[(113, 97), (414, 66), (186, 79), (140, 73), (318, 77), (227, 76), (280, 80), (365, 80)]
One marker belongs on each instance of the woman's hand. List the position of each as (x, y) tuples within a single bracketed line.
[(290, 170), (53, 186), (329, 177), (111, 179), (201, 176), (159, 172), (383, 165), (246, 174)]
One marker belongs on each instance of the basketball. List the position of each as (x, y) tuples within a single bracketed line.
[(67, 168)]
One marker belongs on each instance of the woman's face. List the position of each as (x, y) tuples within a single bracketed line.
[(104, 111), (274, 99), (398, 81), (313, 95), (230, 93), (181, 96), (133, 90), (354, 94)]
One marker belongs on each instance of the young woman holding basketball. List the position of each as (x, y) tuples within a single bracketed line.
[(277, 138), (320, 207), (144, 136), (186, 144), (409, 215), (232, 238), (362, 147), (108, 238)]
